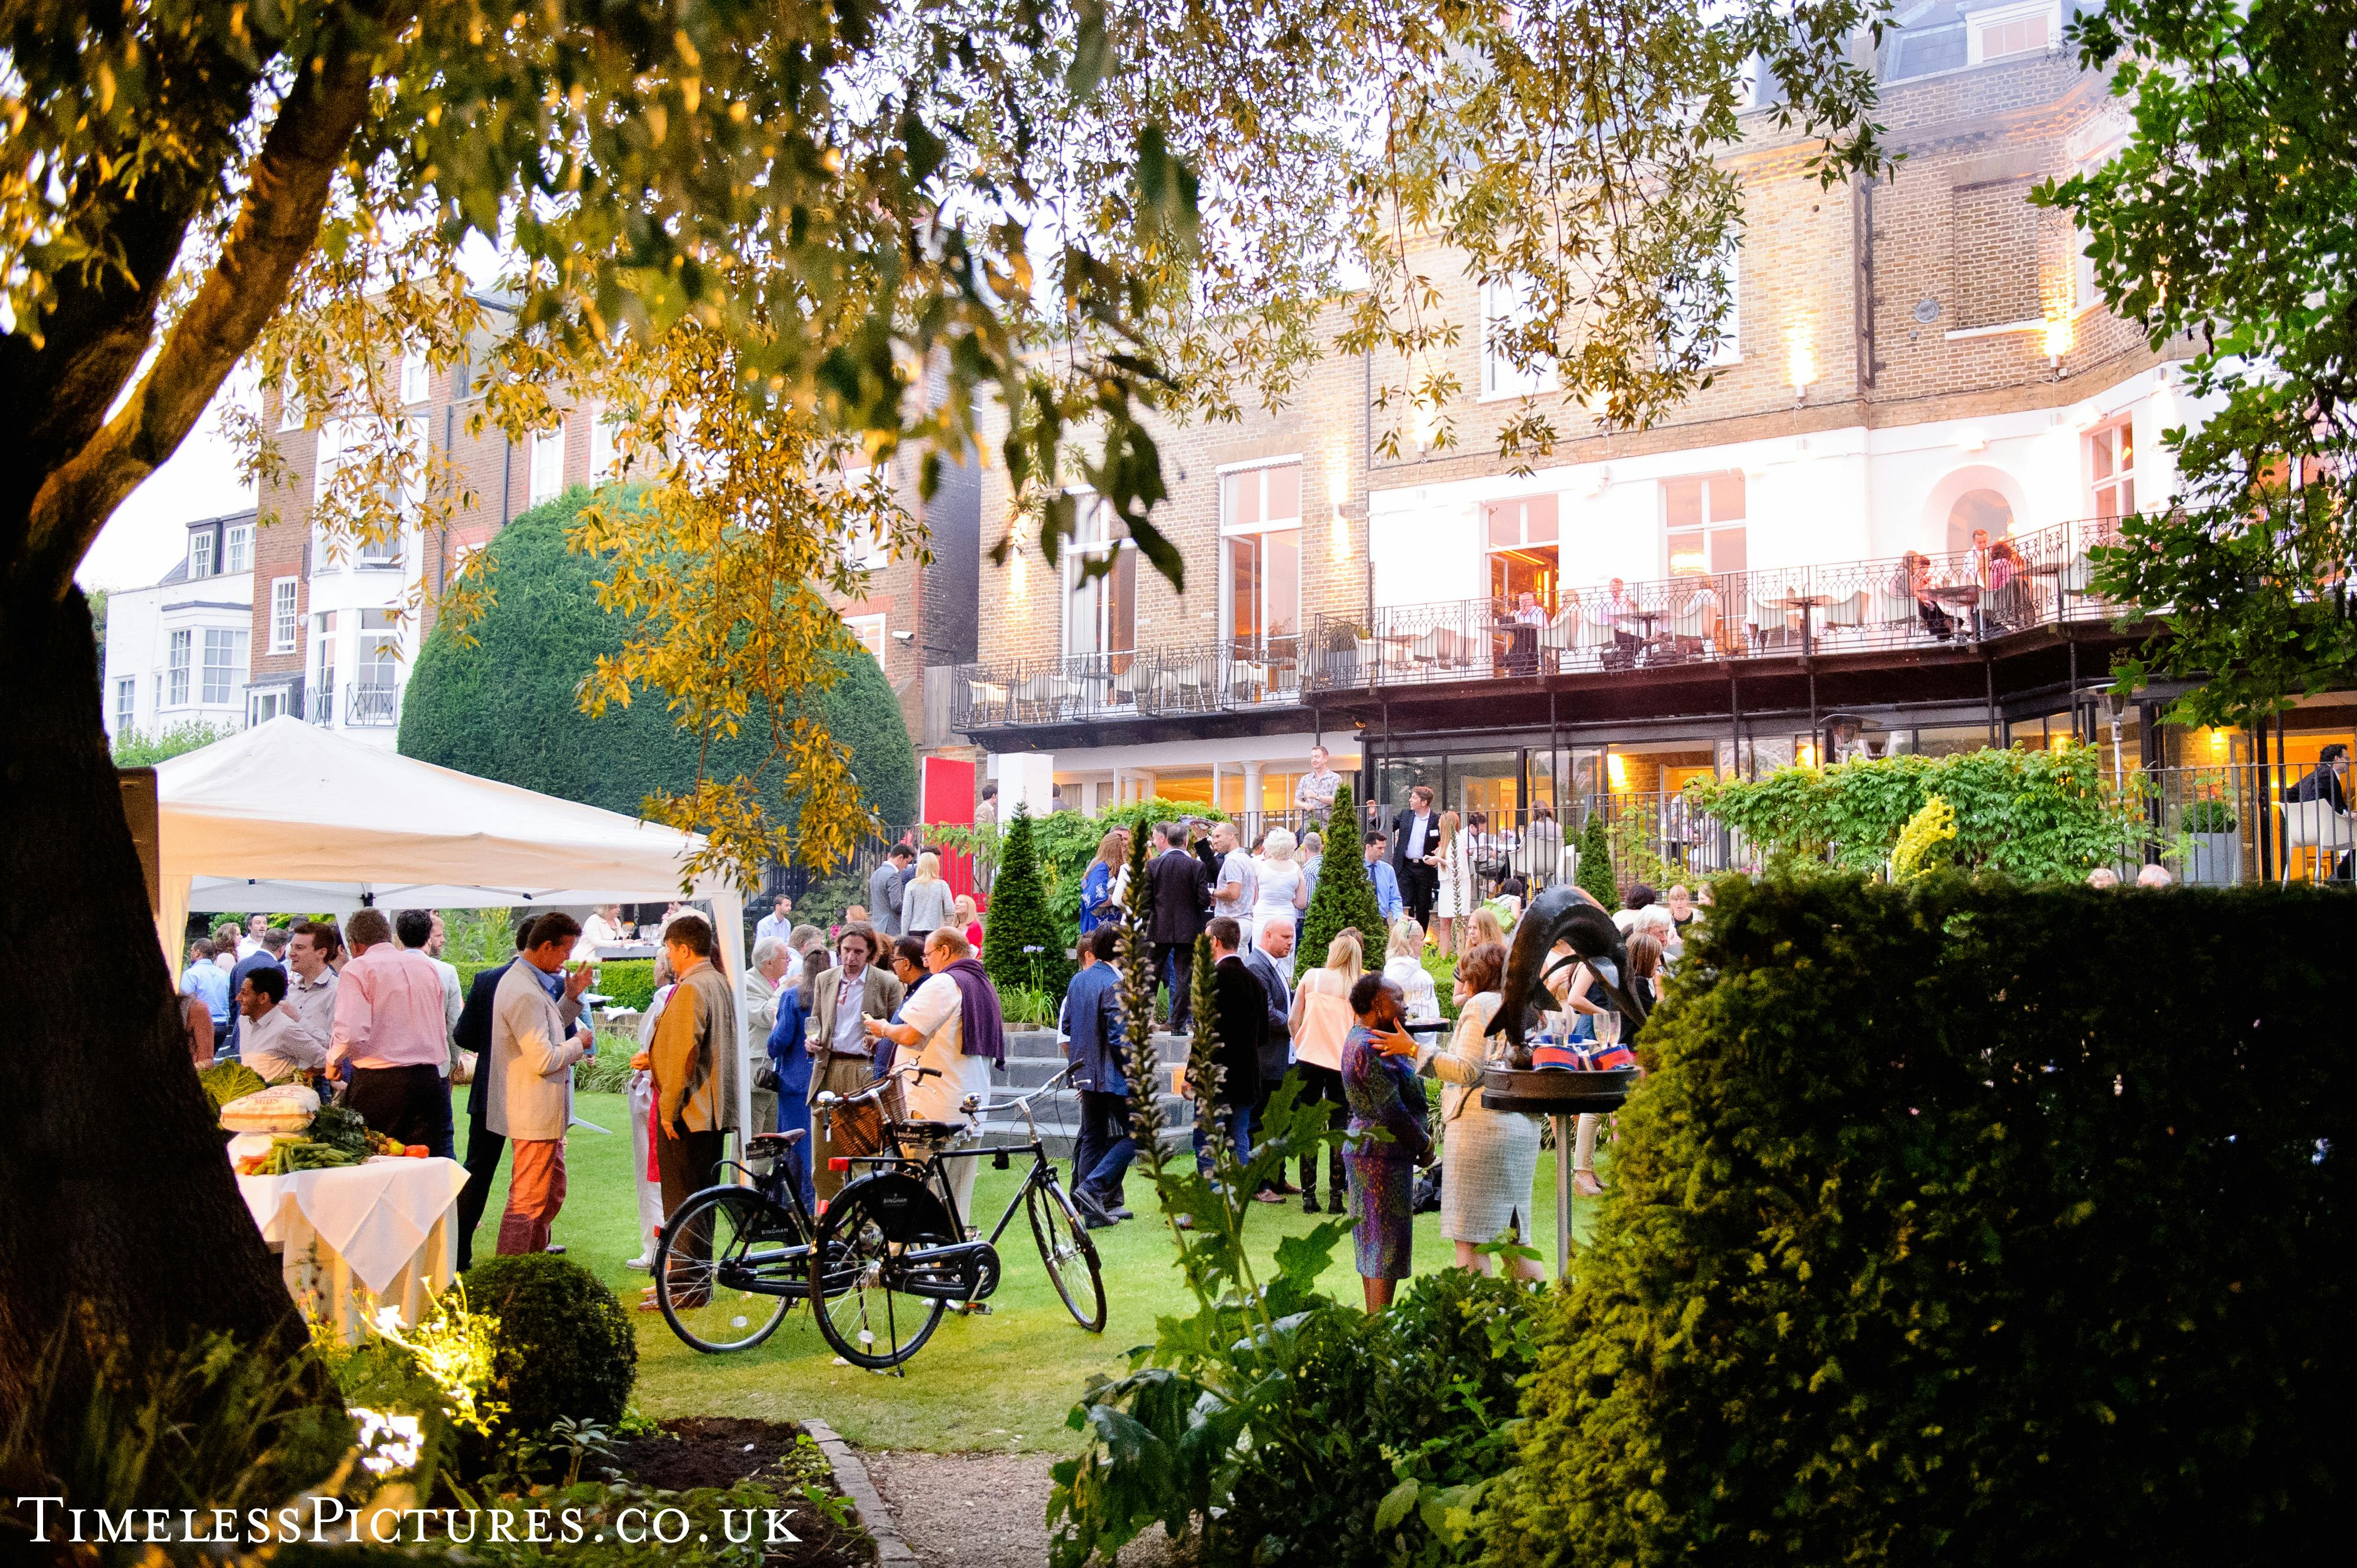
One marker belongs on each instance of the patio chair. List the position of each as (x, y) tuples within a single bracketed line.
[(2315, 826)]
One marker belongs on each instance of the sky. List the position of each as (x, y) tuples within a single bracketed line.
[(147, 532)]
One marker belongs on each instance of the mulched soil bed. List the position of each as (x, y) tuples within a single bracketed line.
[(720, 1450)]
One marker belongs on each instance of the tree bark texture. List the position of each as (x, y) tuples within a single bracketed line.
[(120, 1219)]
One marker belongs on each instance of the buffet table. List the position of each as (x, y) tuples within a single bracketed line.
[(358, 1238)]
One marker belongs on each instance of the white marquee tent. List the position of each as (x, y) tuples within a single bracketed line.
[(291, 816)]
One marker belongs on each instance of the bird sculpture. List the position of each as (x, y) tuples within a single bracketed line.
[(1566, 915)]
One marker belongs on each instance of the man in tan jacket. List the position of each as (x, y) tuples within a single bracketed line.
[(842, 1054), (694, 1059)]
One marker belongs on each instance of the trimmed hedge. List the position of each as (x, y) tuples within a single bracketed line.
[(1965, 1223), (1344, 898), (504, 708), (566, 1347), (631, 981), (1020, 942)]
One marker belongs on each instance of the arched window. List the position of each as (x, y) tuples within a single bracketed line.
[(1982, 509)]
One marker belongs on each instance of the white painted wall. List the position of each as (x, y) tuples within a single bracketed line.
[(1834, 495), (139, 623)]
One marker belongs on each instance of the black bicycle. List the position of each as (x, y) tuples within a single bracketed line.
[(733, 1260), (895, 1254)]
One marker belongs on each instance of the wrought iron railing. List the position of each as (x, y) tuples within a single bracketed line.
[(320, 704), (1211, 677), (371, 705), (1902, 602)]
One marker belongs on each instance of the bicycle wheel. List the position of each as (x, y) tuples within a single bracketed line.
[(727, 1268), (1069, 1255), (869, 1322)]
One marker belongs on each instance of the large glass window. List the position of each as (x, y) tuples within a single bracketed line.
[(547, 463), (237, 547), (378, 659), (1100, 611), (2111, 468), (224, 663), (201, 552), (1523, 550), (179, 646), (1260, 563), (1702, 518), (126, 696)]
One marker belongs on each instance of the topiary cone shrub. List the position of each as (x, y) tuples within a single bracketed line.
[(1594, 871), (1019, 941), (1344, 898), (1949, 1227), (565, 1347)]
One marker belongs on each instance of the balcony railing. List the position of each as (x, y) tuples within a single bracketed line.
[(1928, 602), (371, 705), (320, 704), (1220, 677)]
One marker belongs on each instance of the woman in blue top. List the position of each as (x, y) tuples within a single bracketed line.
[(1380, 1088), (789, 1055), (1107, 881)]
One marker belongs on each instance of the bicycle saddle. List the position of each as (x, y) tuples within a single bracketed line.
[(928, 1129), (785, 1139)]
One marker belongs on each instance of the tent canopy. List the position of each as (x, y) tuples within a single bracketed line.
[(291, 816)]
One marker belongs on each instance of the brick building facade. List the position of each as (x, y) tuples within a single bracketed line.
[(1909, 362)]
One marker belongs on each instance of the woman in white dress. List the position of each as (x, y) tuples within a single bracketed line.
[(1404, 967), (930, 1032), (1282, 892), (1489, 1159), (1454, 859)]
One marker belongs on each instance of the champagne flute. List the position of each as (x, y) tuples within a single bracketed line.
[(1607, 1027)]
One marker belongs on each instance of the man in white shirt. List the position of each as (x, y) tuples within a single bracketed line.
[(931, 1033), (779, 922), (311, 948), (1233, 894), (251, 943), (274, 1042)]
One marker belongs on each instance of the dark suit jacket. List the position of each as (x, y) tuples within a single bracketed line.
[(1243, 1024), (1399, 837), (1276, 1040), (1181, 898), (2320, 785), (474, 1032)]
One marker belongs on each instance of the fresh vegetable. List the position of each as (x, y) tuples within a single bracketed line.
[(291, 1154), (417, 1151), (343, 1129), (225, 1081), (380, 1144)]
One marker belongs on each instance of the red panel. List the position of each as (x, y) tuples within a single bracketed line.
[(945, 789)]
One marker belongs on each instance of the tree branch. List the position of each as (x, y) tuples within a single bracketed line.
[(277, 225)]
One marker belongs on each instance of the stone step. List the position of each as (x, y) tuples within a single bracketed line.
[(1042, 1044)]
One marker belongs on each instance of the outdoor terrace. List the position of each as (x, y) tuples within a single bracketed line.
[(1948, 602)]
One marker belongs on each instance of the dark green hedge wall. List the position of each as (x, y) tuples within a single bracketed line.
[(504, 708), (1971, 1225)]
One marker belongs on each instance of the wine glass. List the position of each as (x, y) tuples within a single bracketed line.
[(1607, 1027)]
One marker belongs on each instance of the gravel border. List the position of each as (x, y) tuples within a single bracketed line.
[(851, 1475)]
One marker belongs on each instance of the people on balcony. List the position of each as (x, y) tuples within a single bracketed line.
[(1916, 568)]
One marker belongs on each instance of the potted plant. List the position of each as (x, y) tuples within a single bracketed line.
[(2214, 855), (1349, 648)]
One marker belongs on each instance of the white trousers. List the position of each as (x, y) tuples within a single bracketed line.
[(650, 1208)]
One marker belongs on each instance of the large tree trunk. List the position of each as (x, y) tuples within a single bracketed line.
[(120, 1221)]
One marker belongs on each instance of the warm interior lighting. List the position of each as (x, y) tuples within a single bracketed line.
[(1018, 575), (1806, 752), (2058, 742), (2058, 337), (1615, 772), (2217, 743)]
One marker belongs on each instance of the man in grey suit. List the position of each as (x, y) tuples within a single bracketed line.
[(841, 1054), (884, 885)]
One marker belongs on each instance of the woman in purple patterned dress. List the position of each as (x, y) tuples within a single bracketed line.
[(1380, 1088)]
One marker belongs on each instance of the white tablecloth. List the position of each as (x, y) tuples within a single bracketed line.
[(359, 1236)]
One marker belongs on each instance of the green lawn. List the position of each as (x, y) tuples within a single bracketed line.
[(1000, 1383)]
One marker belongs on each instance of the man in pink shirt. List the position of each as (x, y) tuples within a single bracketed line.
[(389, 1026)]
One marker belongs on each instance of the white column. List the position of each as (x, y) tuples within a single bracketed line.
[(1143, 786), (1251, 811), (1215, 787)]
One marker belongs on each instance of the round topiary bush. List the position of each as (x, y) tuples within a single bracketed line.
[(504, 707), (565, 1347)]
